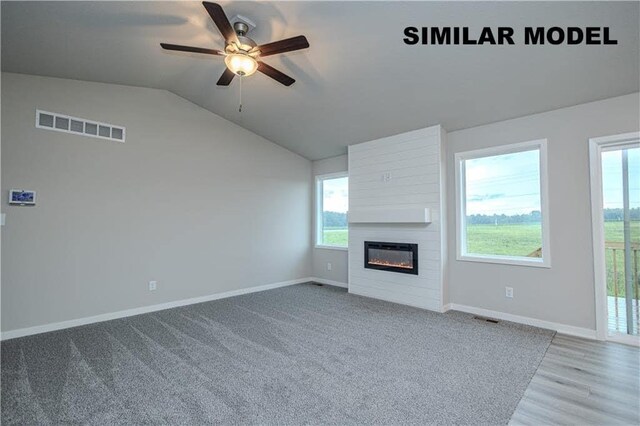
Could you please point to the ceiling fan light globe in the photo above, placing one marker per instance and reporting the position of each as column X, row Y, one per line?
column 241, row 64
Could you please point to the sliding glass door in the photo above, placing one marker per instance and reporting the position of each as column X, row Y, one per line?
column 620, row 165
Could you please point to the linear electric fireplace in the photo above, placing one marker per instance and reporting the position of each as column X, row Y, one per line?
column 393, row 257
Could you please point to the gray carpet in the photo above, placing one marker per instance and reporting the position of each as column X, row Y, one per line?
column 296, row 355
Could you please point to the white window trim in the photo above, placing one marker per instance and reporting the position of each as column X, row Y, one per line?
column 596, row 147
column 329, row 247
column 545, row 261
column 318, row 211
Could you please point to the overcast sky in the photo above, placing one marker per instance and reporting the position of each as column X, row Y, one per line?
column 612, row 178
column 503, row 184
column 335, row 193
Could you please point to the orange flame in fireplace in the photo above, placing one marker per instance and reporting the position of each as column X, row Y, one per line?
column 382, row 262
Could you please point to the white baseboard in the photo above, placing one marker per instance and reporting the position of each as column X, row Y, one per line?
column 12, row 334
column 560, row 328
column 329, row 282
column 625, row 339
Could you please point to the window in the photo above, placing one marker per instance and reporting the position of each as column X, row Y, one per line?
column 502, row 214
column 332, row 199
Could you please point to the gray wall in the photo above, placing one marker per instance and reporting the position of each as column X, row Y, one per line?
column 190, row 200
column 321, row 256
column 564, row 293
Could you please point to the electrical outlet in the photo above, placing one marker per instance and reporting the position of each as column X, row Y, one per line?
column 328, row 266
column 508, row 292
column 153, row 285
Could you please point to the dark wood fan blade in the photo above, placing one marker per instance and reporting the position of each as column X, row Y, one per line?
column 191, row 49
column 226, row 77
column 221, row 21
column 275, row 74
column 282, row 46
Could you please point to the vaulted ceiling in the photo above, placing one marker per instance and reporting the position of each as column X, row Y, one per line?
column 357, row 82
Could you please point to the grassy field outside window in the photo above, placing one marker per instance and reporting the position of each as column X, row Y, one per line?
column 332, row 198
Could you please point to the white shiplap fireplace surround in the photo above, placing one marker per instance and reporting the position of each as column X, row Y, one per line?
column 396, row 194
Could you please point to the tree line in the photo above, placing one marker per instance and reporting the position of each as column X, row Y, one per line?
column 613, row 215
column 334, row 220
column 610, row 215
column 503, row 219
column 339, row 220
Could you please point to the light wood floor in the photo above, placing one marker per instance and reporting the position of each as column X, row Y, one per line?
column 582, row 382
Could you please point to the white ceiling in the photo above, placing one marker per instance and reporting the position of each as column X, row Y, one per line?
column 357, row 82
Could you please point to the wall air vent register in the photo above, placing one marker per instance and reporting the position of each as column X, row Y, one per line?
column 79, row 126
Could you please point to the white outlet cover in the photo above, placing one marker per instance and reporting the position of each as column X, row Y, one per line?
column 509, row 292
column 328, row 266
column 153, row 285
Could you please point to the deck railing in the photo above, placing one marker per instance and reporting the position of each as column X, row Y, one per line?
column 614, row 273
column 614, row 252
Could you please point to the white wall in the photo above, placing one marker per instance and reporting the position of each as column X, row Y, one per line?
column 564, row 293
column 322, row 256
column 190, row 200
column 414, row 163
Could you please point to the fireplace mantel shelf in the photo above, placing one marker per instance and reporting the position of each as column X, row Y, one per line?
column 420, row 215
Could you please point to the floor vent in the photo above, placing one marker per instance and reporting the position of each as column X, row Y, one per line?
column 491, row 320
column 79, row 126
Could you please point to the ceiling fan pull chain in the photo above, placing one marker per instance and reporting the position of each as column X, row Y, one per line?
column 240, row 106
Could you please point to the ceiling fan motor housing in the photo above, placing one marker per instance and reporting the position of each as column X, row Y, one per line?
column 247, row 25
column 241, row 28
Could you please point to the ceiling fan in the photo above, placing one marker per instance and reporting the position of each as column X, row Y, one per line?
column 242, row 55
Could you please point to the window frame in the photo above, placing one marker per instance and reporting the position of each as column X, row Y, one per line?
column 461, row 200
column 318, row 211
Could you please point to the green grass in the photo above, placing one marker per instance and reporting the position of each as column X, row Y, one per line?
column 510, row 240
column 335, row 236
column 613, row 231
column 521, row 240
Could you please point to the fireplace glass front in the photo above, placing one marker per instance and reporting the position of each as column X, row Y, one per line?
column 392, row 257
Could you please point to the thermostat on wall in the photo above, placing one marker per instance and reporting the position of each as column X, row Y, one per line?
column 22, row 197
